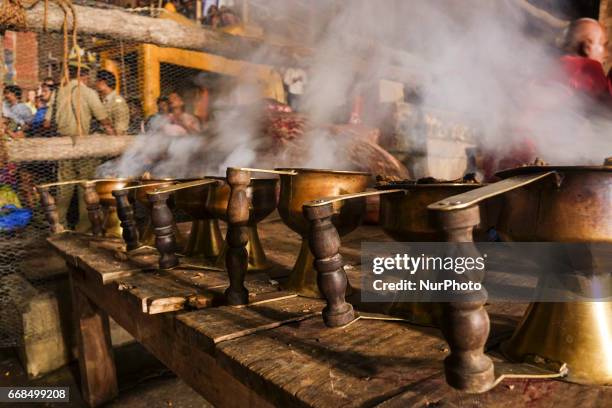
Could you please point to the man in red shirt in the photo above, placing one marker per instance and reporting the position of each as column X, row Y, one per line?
column 585, row 51
column 586, row 48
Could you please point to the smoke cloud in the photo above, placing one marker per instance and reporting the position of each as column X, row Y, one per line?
column 476, row 58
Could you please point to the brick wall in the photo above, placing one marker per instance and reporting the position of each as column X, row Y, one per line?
column 24, row 50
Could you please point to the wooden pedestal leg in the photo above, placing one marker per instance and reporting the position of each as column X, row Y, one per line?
column 236, row 259
column 92, row 200
column 163, row 227
column 465, row 324
column 325, row 243
column 96, row 360
column 126, row 216
column 48, row 204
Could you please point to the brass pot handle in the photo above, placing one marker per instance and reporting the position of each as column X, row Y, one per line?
column 181, row 186
column 473, row 197
column 334, row 199
column 139, row 186
column 250, row 169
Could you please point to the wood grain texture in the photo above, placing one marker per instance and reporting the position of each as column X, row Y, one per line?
column 96, row 360
column 157, row 334
column 251, row 356
column 210, row 327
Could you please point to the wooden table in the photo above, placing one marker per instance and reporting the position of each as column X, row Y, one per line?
column 275, row 351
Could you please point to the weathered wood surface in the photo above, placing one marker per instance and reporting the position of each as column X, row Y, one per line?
column 279, row 353
column 96, row 360
column 118, row 24
column 137, row 275
column 157, row 333
column 64, row 148
column 227, row 322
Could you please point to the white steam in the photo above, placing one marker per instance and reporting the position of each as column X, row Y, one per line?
column 473, row 57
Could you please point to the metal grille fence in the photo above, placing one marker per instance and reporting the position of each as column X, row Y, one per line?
column 30, row 156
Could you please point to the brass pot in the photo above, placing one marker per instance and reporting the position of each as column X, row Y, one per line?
column 578, row 209
column 306, row 185
column 147, row 237
column 110, row 222
column 556, row 204
column 263, row 195
column 404, row 217
column 205, row 238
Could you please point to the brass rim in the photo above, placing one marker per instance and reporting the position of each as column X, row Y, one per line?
column 328, row 171
column 393, row 186
column 541, row 169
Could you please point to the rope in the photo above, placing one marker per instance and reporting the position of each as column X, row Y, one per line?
column 13, row 14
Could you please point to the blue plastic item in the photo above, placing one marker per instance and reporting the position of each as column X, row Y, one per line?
column 13, row 218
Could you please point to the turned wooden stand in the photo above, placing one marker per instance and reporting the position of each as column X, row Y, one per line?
column 125, row 213
column 465, row 324
column 324, row 242
column 50, row 209
column 94, row 211
column 236, row 259
column 163, row 227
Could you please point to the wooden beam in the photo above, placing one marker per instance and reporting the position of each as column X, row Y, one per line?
column 62, row 148
column 119, row 24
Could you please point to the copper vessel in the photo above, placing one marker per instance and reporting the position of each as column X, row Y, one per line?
column 110, row 222
column 404, row 217
column 147, row 237
column 205, row 238
column 306, row 185
column 263, row 196
column 556, row 204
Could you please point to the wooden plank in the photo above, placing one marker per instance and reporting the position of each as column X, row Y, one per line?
column 97, row 255
column 63, row 148
column 96, row 361
column 158, row 335
column 169, row 291
column 308, row 364
column 156, row 291
column 210, row 327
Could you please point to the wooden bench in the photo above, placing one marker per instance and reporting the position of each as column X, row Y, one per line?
column 275, row 351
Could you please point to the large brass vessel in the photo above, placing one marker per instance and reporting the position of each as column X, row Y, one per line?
column 571, row 204
column 576, row 208
column 263, row 196
column 308, row 184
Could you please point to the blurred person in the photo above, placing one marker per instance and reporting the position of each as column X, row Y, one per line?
column 14, row 108
column 228, row 17
column 295, row 80
column 162, row 116
column 116, row 107
column 585, row 51
column 69, row 99
column 31, row 101
column 42, row 105
column 212, row 16
column 179, row 117
column 137, row 123
column 36, row 127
